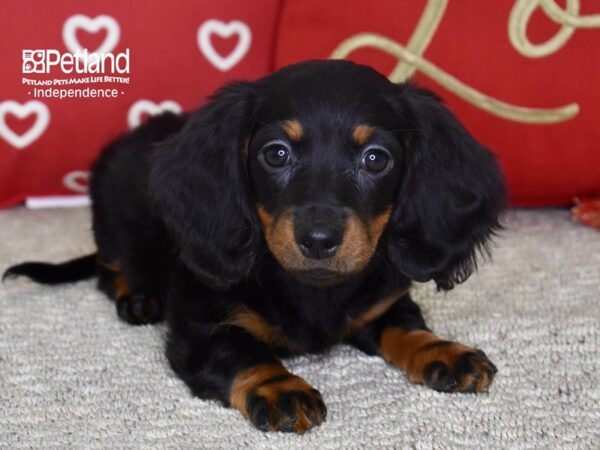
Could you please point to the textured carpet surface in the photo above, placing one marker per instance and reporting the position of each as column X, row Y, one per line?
column 72, row 375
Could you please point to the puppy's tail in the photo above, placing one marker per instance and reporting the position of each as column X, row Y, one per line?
column 46, row 273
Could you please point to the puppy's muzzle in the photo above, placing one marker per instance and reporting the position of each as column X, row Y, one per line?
column 320, row 244
column 319, row 230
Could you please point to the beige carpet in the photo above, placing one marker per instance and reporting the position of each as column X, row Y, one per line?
column 72, row 375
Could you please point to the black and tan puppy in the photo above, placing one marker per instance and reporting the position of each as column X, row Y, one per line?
column 285, row 216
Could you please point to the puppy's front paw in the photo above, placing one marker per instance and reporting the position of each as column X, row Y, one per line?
column 279, row 409
column 462, row 370
column 445, row 366
column 275, row 400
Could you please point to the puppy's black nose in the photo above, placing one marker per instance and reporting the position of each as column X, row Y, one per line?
column 320, row 243
column 319, row 231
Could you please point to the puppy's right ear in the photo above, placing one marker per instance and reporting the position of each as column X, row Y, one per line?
column 199, row 184
column 450, row 197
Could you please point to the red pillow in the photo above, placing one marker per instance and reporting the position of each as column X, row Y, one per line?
column 179, row 52
column 489, row 76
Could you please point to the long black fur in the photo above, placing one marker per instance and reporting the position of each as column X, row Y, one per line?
column 175, row 204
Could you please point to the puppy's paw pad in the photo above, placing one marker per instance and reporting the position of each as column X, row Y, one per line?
column 139, row 309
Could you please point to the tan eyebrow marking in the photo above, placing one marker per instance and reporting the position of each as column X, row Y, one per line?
column 361, row 134
column 293, row 129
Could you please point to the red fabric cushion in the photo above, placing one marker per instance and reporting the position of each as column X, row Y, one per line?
column 47, row 144
column 544, row 163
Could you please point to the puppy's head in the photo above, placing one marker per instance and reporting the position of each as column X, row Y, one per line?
column 325, row 168
column 328, row 164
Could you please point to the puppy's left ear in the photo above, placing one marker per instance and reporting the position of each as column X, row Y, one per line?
column 450, row 197
column 200, row 188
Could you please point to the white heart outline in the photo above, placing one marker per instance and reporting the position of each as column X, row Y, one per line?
column 72, row 181
column 22, row 110
column 91, row 26
column 149, row 107
column 224, row 30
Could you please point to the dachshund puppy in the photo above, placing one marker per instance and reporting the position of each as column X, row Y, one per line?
column 288, row 215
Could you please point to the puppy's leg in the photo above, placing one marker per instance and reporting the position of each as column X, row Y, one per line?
column 134, row 305
column 229, row 364
column 401, row 338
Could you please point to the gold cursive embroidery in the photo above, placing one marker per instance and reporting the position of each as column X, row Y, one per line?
column 421, row 37
column 410, row 57
column 568, row 19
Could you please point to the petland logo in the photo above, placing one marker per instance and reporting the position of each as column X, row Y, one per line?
column 104, row 73
column 80, row 62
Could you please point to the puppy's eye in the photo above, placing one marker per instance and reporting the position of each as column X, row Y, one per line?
column 376, row 159
column 276, row 154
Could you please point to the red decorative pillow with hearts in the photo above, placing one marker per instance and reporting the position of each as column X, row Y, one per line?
column 522, row 75
column 163, row 56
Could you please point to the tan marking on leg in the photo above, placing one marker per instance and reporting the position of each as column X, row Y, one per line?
column 413, row 351
column 272, row 390
column 270, row 381
column 400, row 347
column 362, row 134
column 293, row 129
column 247, row 381
column 122, row 286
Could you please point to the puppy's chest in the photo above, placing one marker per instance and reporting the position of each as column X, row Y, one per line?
column 293, row 320
column 292, row 328
column 312, row 331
